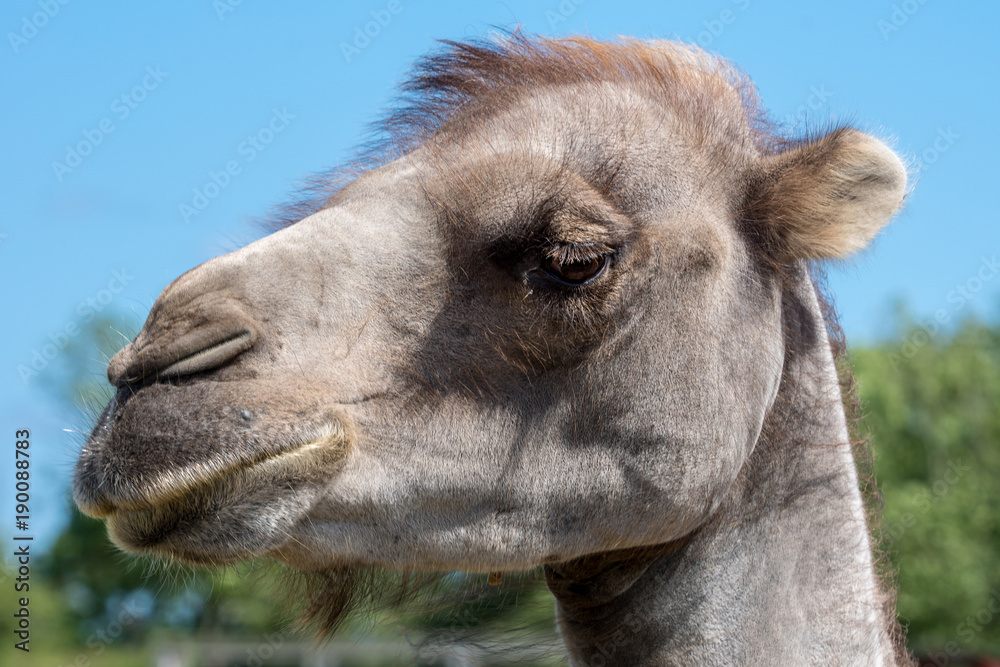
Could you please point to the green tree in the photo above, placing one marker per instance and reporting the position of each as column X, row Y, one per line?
column 934, row 412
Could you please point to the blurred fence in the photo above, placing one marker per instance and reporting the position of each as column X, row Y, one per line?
column 275, row 651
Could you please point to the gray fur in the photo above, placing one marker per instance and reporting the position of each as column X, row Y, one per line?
column 410, row 388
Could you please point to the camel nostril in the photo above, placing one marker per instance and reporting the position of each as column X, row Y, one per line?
column 210, row 357
column 194, row 352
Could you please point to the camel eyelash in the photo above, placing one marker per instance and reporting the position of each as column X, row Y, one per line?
column 572, row 253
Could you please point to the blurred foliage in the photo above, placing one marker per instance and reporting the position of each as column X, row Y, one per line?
column 933, row 410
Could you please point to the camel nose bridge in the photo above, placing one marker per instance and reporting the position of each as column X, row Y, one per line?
column 196, row 325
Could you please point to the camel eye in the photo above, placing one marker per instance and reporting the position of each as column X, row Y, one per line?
column 573, row 271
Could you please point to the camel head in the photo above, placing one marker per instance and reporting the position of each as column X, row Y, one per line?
column 550, row 325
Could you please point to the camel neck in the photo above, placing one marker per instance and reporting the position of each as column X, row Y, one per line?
column 784, row 588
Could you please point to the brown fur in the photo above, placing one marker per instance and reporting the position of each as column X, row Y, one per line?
column 453, row 89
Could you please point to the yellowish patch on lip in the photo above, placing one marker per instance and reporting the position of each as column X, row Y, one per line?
column 331, row 445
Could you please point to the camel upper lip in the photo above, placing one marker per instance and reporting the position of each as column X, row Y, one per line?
column 179, row 483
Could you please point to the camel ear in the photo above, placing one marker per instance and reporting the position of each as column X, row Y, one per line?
column 829, row 198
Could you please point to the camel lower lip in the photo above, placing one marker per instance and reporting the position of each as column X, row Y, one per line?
column 233, row 513
column 174, row 487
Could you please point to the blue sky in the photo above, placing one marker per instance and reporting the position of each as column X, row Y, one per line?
column 163, row 95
